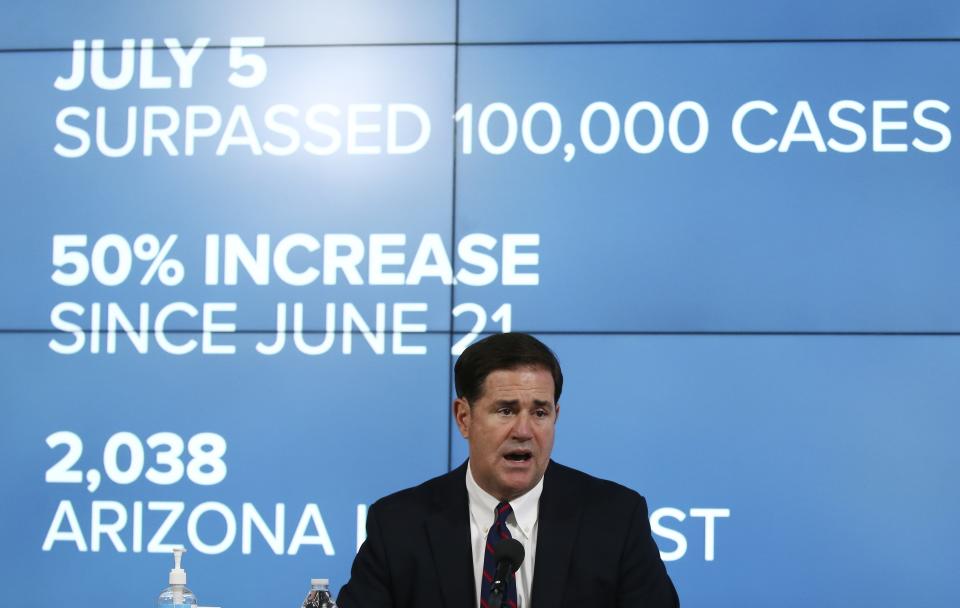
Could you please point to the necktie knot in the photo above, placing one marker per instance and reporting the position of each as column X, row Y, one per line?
column 502, row 512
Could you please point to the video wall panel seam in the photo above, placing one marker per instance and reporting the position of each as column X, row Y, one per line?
column 525, row 43
column 453, row 220
column 539, row 332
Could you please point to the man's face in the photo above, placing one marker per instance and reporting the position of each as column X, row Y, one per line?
column 510, row 430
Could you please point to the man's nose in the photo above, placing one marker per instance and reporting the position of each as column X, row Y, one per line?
column 522, row 428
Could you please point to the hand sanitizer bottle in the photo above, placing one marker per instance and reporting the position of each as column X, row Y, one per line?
column 177, row 595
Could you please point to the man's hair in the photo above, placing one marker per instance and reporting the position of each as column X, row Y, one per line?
column 503, row 352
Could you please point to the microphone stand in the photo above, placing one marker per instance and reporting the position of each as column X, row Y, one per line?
column 498, row 588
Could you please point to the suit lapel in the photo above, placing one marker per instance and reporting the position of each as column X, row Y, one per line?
column 448, row 531
column 559, row 522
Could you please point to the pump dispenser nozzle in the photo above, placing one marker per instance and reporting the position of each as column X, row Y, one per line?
column 178, row 576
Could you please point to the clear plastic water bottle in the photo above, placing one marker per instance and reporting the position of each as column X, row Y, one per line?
column 177, row 595
column 319, row 596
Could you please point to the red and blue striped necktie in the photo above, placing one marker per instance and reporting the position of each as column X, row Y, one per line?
column 498, row 531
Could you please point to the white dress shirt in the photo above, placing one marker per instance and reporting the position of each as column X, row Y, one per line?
column 522, row 524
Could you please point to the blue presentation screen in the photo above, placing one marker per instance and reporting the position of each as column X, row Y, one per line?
column 718, row 187
column 244, row 243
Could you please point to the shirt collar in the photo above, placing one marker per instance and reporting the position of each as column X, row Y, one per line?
column 525, row 507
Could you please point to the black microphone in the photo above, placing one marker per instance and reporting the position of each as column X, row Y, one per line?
column 508, row 555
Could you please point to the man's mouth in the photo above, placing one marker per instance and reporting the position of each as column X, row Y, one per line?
column 518, row 455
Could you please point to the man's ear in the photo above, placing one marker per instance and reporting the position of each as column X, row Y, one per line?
column 461, row 413
column 556, row 413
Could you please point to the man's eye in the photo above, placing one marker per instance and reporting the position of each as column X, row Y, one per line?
column 505, row 411
column 541, row 413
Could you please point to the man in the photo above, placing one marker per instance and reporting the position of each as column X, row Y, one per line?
column 587, row 541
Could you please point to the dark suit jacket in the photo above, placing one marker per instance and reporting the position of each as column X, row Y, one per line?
column 594, row 548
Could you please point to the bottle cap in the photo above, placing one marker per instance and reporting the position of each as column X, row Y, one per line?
column 178, row 576
column 320, row 581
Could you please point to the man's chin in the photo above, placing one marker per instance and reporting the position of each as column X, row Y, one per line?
column 518, row 483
